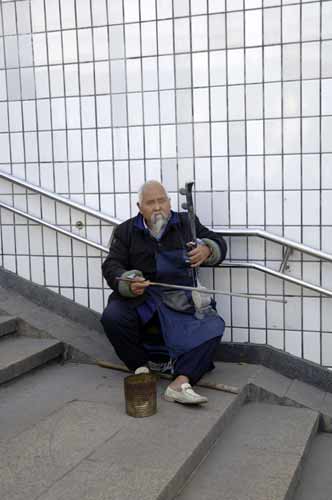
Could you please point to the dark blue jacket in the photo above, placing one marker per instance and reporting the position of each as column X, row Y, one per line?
column 133, row 247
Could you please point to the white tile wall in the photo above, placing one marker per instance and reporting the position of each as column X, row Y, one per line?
column 96, row 97
column 275, row 338
column 326, row 348
column 257, row 336
column 293, row 342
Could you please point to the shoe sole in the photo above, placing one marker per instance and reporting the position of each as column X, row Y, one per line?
column 193, row 403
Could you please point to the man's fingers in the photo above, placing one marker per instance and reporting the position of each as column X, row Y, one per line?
column 197, row 258
column 197, row 252
column 194, row 252
column 194, row 261
column 198, row 255
column 196, row 264
column 139, row 281
column 143, row 283
column 138, row 285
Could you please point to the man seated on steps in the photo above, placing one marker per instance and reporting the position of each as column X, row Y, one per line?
column 155, row 246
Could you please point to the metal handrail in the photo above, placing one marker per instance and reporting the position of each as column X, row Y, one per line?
column 278, row 274
column 254, row 266
column 60, row 199
column 278, row 239
column 115, row 222
column 58, row 229
column 290, row 244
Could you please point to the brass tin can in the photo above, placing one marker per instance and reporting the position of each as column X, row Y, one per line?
column 141, row 395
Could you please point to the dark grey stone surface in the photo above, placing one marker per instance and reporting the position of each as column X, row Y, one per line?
column 36, row 320
column 234, row 374
column 265, row 385
column 306, row 394
column 36, row 458
column 269, row 445
column 283, row 363
column 236, row 352
column 82, row 436
column 19, row 355
column 316, row 478
column 27, row 400
column 87, row 345
column 58, row 412
column 271, row 381
column 50, row 300
column 258, row 458
column 8, row 325
column 326, row 413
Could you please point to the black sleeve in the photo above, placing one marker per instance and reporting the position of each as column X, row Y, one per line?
column 204, row 232
column 116, row 262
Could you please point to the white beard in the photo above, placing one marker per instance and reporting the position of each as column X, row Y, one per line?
column 157, row 224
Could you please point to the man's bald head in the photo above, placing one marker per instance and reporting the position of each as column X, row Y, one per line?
column 148, row 186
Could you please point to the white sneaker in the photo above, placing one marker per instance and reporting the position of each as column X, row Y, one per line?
column 186, row 395
column 141, row 369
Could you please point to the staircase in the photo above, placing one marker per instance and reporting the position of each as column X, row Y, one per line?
column 64, row 432
column 20, row 354
column 258, row 457
column 316, row 478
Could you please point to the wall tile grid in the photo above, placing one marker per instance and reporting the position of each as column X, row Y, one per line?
column 98, row 95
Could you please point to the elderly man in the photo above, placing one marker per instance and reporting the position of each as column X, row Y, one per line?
column 156, row 245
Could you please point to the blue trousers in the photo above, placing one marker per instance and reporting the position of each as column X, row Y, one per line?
column 127, row 334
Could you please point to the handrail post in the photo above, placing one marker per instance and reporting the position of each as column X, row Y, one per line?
column 287, row 254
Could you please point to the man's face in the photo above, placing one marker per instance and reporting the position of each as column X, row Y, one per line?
column 154, row 202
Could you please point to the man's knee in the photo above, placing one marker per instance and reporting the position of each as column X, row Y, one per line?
column 116, row 317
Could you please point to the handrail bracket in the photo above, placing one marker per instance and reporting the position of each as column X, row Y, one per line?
column 284, row 264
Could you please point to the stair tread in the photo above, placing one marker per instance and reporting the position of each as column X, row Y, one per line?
column 76, row 431
column 5, row 317
column 7, row 325
column 91, row 342
column 14, row 349
column 19, row 355
column 257, row 458
column 87, row 440
column 316, row 478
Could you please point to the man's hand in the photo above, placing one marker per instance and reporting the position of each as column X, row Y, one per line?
column 199, row 255
column 139, row 285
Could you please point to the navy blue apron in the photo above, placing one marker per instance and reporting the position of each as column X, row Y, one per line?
column 182, row 331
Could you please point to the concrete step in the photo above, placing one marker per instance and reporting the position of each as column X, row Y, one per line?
column 92, row 343
column 259, row 457
column 7, row 325
column 19, row 355
column 266, row 385
column 316, row 479
column 77, row 442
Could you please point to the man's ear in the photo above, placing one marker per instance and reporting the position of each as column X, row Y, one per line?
column 139, row 208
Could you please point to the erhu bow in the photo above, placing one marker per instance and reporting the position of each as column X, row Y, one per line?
column 205, row 290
